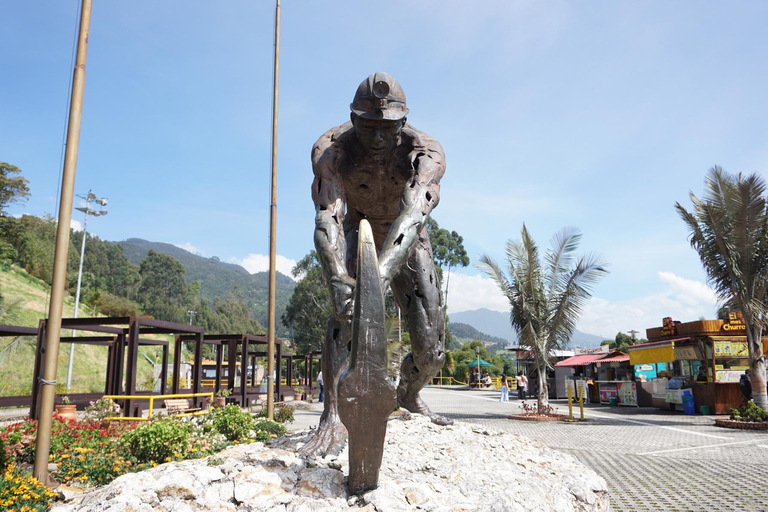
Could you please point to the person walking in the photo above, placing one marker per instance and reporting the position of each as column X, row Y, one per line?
column 522, row 385
column 745, row 385
column 504, row 389
column 320, row 383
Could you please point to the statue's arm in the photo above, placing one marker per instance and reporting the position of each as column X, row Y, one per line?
column 421, row 195
column 330, row 242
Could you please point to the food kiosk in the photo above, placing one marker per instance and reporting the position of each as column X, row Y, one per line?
column 703, row 359
column 607, row 374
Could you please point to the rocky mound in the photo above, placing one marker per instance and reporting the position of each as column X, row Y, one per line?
column 426, row 467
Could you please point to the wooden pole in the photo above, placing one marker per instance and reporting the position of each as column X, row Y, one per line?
column 48, row 382
column 273, row 228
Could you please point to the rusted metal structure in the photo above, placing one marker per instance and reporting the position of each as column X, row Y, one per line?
column 123, row 337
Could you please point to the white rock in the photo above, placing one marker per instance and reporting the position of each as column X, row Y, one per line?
column 437, row 469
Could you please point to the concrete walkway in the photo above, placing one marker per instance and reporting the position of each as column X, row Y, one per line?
column 652, row 460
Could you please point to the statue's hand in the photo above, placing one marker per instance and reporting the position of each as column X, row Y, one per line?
column 343, row 288
column 384, row 274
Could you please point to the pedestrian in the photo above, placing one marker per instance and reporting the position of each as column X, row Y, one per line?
column 745, row 385
column 504, row 389
column 320, row 383
column 522, row 385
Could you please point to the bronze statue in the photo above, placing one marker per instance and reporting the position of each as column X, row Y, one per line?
column 378, row 168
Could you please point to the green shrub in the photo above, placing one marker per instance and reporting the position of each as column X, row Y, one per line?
column 283, row 413
column 158, row 440
column 102, row 408
column 267, row 429
column 89, row 466
column 230, row 421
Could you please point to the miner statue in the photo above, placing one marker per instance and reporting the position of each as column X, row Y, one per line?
column 378, row 168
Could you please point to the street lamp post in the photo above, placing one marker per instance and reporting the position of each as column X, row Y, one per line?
column 102, row 201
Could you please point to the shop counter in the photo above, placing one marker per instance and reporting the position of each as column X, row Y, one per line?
column 625, row 391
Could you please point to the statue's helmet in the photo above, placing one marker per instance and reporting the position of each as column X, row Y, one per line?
column 379, row 97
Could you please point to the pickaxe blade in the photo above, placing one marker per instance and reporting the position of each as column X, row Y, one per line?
column 366, row 395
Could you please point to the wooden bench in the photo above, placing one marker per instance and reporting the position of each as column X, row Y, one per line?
column 179, row 406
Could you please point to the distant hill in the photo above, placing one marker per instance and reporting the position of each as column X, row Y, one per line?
column 466, row 331
column 218, row 278
column 496, row 323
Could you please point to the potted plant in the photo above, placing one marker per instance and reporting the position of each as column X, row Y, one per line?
column 298, row 391
column 65, row 409
column 221, row 397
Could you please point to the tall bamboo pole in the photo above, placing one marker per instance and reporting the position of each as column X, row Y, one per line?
column 273, row 228
column 48, row 382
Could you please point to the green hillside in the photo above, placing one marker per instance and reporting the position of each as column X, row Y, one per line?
column 218, row 279
column 26, row 300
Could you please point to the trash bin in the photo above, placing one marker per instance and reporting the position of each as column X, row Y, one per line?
column 688, row 407
column 614, row 401
column 705, row 409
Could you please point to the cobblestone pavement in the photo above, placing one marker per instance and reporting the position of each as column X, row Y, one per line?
column 652, row 460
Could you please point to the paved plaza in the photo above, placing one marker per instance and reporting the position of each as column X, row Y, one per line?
column 652, row 460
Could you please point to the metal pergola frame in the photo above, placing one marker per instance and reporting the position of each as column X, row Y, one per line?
column 120, row 334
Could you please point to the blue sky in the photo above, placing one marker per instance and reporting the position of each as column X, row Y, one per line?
column 598, row 115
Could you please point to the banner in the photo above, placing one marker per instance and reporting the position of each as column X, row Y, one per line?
column 731, row 349
column 608, row 391
column 628, row 393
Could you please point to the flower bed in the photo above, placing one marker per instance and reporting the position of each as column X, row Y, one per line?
column 90, row 453
column 742, row 425
column 538, row 417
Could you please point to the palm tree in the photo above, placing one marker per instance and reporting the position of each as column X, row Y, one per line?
column 546, row 300
column 729, row 230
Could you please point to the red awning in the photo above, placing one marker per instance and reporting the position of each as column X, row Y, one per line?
column 617, row 358
column 581, row 359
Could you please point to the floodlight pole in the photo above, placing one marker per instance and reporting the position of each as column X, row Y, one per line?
column 86, row 211
column 273, row 228
column 48, row 381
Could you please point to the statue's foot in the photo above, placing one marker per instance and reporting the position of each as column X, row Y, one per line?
column 329, row 438
column 416, row 405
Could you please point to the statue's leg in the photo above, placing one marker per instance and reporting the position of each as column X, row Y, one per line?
column 331, row 434
column 417, row 291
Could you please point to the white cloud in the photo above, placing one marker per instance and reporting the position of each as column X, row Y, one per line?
column 682, row 299
column 474, row 292
column 76, row 225
column 259, row 263
column 191, row 248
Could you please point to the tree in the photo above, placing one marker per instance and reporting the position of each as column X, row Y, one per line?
column 309, row 308
column 163, row 287
column 621, row 342
column 448, row 252
column 729, row 230
column 545, row 299
column 13, row 186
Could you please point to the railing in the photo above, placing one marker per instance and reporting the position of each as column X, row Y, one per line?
column 152, row 399
column 209, row 383
column 495, row 382
column 448, row 381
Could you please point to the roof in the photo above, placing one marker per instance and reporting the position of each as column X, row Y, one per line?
column 615, row 357
column 657, row 343
column 580, row 360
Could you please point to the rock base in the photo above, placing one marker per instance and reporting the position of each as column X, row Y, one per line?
column 461, row 467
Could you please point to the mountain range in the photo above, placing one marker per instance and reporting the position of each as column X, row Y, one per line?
column 218, row 279
column 496, row 323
